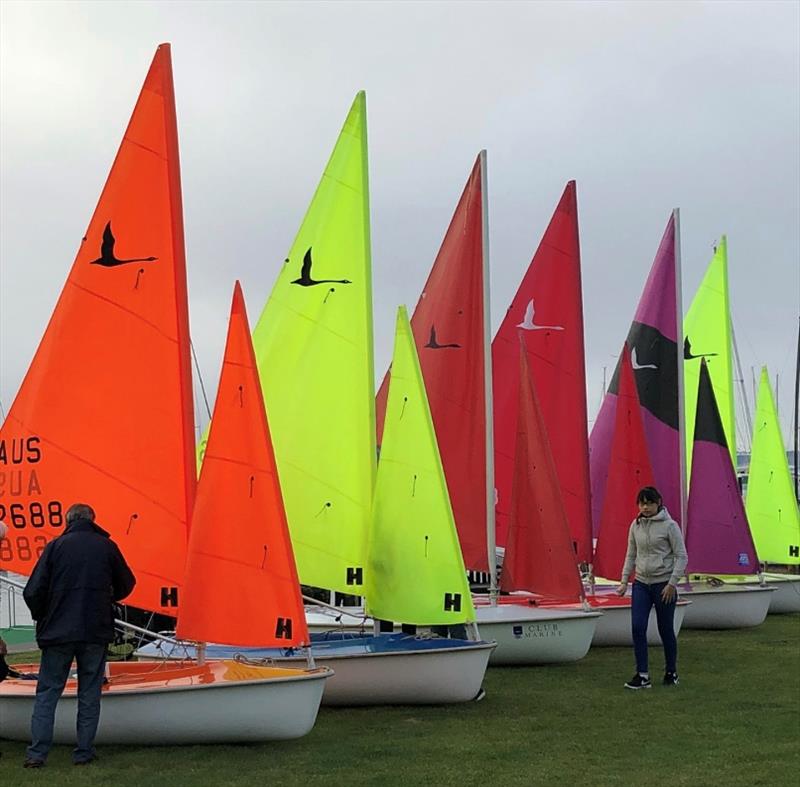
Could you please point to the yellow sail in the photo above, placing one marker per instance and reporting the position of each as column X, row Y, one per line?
column 707, row 334
column 415, row 570
column 313, row 345
column 770, row 503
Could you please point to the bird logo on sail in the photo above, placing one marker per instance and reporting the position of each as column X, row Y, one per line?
column 107, row 258
column 528, row 324
column 688, row 354
column 635, row 362
column 305, row 279
column 434, row 345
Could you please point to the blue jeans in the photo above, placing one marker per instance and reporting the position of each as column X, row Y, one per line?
column 644, row 598
column 53, row 674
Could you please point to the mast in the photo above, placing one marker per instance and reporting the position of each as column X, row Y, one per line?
column 796, row 413
column 748, row 421
column 487, row 383
column 676, row 213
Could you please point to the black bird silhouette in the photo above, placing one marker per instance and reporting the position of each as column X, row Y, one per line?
column 687, row 351
column 434, row 345
column 107, row 258
column 305, row 279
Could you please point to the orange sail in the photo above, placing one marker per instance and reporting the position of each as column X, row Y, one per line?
column 104, row 415
column 241, row 585
column 539, row 554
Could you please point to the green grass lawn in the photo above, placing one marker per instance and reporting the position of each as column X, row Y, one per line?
column 734, row 720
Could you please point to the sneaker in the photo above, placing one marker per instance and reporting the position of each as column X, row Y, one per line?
column 638, row 682
column 671, row 679
column 85, row 761
column 30, row 763
column 480, row 695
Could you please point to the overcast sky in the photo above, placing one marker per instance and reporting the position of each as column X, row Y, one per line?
column 648, row 105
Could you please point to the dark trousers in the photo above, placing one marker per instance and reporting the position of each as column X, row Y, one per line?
column 53, row 673
column 644, row 598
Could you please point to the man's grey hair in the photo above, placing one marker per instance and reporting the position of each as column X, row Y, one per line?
column 80, row 511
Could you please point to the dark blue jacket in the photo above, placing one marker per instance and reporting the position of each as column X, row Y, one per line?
column 74, row 584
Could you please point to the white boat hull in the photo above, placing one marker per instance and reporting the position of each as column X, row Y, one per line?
column 529, row 635
column 786, row 598
column 435, row 677
column 727, row 607
column 226, row 712
column 614, row 628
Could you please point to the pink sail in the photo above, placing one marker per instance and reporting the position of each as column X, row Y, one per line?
column 718, row 537
column 629, row 470
column 653, row 344
column 449, row 334
column 539, row 555
column 548, row 308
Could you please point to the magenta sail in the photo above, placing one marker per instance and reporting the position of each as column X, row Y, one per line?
column 718, row 537
column 653, row 344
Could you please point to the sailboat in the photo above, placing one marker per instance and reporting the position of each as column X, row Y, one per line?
column 629, row 470
column 314, row 348
column 458, row 378
column 448, row 325
column 718, row 537
column 76, row 435
column 539, row 557
column 414, row 571
column 708, row 337
column 548, row 310
column 136, row 322
column 652, row 352
column 653, row 346
column 771, row 507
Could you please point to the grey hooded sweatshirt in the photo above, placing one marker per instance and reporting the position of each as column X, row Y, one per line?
column 655, row 550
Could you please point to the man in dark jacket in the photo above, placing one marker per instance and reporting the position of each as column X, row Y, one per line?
column 70, row 595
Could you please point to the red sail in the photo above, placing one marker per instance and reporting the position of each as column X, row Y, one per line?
column 629, row 469
column 539, row 555
column 548, row 307
column 241, row 585
column 449, row 334
column 105, row 414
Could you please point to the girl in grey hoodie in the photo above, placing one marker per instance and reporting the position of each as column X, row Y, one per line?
column 658, row 555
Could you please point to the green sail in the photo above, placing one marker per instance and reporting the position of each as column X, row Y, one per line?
column 313, row 345
column 707, row 333
column 415, row 571
column 770, row 504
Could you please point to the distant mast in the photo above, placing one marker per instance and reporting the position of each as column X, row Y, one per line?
column 796, row 410
column 676, row 213
column 487, row 382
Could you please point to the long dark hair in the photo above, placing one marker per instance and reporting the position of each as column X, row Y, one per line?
column 649, row 494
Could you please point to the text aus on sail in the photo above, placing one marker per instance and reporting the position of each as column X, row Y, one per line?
column 23, row 507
